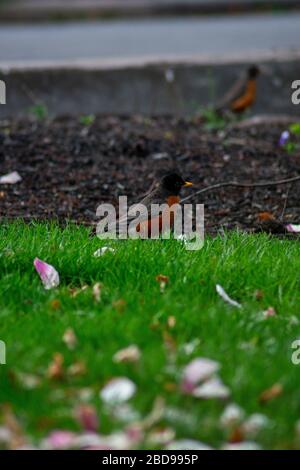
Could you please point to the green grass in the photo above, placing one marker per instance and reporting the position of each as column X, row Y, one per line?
column 254, row 353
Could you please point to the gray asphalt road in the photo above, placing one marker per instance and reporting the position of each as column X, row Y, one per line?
column 152, row 37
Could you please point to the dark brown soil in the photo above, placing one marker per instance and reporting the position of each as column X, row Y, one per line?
column 68, row 169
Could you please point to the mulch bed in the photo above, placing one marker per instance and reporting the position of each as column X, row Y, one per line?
column 68, row 169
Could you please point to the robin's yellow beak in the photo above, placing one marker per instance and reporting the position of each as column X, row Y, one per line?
column 187, row 184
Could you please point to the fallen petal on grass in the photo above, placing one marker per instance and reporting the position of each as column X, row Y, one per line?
column 226, row 297
column 58, row 440
column 213, row 388
column 129, row 354
column 187, row 444
column 163, row 281
column 198, row 370
column 269, row 312
column 254, row 424
column 97, row 291
column 69, row 338
column 77, row 369
column 118, row 390
column 245, row 445
column 102, row 251
column 55, row 368
column 231, row 416
column 47, row 273
column 10, row 178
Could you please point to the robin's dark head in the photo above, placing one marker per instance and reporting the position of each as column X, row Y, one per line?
column 253, row 71
column 173, row 183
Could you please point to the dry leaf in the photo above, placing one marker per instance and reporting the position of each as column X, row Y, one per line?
column 55, row 368
column 69, row 338
column 120, row 305
column 258, row 294
column 272, row 392
column 129, row 354
column 55, row 304
column 11, row 423
column 75, row 291
column 97, row 291
column 163, row 281
column 171, row 321
column 169, row 342
column 77, row 369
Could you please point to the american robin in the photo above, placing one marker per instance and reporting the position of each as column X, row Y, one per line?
column 242, row 94
column 165, row 191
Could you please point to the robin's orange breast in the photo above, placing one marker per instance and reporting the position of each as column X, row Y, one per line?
column 155, row 225
column 245, row 100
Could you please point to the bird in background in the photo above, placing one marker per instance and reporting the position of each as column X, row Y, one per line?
column 242, row 94
column 164, row 191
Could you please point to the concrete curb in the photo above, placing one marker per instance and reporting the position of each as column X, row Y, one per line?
column 154, row 86
column 36, row 10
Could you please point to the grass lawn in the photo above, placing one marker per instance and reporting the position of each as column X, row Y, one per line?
column 254, row 352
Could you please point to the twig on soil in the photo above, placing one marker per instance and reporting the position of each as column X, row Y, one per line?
column 285, row 202
column 241, row 185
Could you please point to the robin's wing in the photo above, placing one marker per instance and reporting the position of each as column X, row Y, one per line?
column 237, row 89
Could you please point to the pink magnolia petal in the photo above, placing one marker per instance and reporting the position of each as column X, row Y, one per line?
column 47, row 273
column 10, row 178
column 213, row 388
column 187, row 444
column 293, row 228
column 60, row 439
column 118, row 390
column 196, row 371
column 245, row 445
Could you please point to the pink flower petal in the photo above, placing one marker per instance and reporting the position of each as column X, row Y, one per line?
column 60, row 440
column 118, row 390
column 293, row 228
column 196, row 371
column 10, row 178
column 47, row 273
column 187, row 444
column 213, row 388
